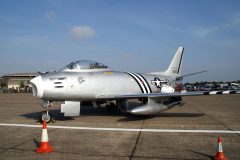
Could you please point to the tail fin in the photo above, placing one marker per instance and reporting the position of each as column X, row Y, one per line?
column 175, row 68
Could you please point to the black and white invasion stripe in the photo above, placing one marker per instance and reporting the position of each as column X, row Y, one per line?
column 141, row 81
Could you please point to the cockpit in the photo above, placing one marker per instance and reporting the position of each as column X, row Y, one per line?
column 85, row 66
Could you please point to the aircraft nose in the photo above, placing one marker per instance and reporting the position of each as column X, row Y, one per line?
column 37, row 86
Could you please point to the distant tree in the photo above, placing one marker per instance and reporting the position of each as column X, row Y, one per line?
column 22, row 85
column 214, row 83
column 3, row 84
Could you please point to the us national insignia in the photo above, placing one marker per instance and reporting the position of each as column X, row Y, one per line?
column 157, row 82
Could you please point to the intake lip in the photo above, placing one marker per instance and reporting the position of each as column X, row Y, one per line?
column 34, row 89
column 37, row 86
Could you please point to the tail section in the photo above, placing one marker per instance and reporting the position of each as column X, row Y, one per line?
column 175, row 67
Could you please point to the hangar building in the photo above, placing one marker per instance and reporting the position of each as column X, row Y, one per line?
column 17, row 81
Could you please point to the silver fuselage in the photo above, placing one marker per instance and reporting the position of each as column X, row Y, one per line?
column 89, row 86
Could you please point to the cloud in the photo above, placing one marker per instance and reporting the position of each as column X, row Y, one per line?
column 51, row 15
column 235, row 21
column 128, row 55
column 204, row 31
column 79, row 33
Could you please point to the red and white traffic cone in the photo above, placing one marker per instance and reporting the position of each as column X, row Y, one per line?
column 44, row 146
column 220, row 154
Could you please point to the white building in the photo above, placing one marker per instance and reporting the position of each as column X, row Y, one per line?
column 17, row 81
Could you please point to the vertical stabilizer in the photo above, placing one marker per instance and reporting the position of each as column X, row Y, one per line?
column 175, row 67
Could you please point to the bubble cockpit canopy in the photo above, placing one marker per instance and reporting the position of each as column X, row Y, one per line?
column 85, row 66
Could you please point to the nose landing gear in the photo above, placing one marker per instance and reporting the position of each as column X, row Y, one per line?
column 45, row 115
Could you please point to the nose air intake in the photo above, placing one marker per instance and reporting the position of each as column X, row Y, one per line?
column 34, row 89
column 37, row 86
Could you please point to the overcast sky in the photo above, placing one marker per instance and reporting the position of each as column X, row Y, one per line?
column 127, row 35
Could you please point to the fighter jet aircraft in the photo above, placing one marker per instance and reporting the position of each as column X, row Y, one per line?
column 90, row 81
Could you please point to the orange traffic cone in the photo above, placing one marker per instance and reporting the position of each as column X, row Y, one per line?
column 220, row 155
column 44, row 146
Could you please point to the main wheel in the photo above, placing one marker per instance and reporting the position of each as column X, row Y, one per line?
column 111, row 108
column 45, row 117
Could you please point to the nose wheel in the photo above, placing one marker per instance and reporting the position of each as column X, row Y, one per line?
column 45, row 115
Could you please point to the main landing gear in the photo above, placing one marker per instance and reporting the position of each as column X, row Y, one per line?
column 121, row 106
column 45, row 115
column 111, row 107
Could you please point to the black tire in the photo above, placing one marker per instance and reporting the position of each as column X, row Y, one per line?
column 43, row 116
column 111, row 108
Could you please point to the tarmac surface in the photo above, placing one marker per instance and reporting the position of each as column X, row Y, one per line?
column 188, row 132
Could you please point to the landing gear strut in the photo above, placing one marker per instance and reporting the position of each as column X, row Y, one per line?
column 45, row 115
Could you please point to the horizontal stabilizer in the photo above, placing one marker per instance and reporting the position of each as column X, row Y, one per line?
column 191, row 74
